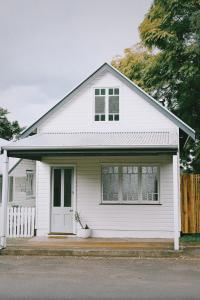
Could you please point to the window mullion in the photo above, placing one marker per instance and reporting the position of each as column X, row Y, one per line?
column 140, row 183
column 106, row 105
column 62, row 187
column 120, row 185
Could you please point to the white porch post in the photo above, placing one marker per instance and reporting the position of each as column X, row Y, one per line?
column 4, row 200
column 176, row 200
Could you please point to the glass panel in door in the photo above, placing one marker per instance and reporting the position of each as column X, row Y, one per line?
column 67, row 187
column 57, row 188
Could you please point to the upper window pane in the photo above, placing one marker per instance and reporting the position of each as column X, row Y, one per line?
column 110, row 91
column 116, row 91
column 99, row 92
column 113, row 104
column 100, row 105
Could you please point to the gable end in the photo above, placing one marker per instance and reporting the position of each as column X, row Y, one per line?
column 107, row 67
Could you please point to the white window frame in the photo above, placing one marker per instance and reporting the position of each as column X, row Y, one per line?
column 106, row 104
column 131, row 202
column 33, row 187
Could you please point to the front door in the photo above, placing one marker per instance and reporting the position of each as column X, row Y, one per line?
column 62, row 208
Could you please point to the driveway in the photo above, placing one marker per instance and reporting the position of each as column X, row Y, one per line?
column 98, row 278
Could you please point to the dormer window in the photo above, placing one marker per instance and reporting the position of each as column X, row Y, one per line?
column 107, row 104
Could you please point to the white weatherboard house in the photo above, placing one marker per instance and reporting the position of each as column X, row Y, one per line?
column 109, row 151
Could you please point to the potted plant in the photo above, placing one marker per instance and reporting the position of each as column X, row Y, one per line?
column 83, row 231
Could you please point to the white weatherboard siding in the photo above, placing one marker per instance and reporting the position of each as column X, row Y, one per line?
column 43, row 182
column 109, row 220
column 78, row 114
column 19, row 176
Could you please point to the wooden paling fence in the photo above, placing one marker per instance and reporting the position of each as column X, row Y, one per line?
column 21, row 221
column 190, row 203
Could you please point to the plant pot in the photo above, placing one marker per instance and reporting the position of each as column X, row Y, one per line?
column 84, row 233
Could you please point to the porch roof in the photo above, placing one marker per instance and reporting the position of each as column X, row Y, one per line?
column 93, row 143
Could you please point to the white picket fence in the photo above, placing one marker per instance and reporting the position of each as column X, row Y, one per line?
column 20, row 222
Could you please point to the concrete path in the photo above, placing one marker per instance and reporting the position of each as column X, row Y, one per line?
column 98, row 278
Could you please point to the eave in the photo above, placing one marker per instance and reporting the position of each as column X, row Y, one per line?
column 38, row 154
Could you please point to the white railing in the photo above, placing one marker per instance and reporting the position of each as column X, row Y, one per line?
column 20, row 222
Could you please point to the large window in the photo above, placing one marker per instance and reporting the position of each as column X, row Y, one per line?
column 130, row 184
column 106, row 104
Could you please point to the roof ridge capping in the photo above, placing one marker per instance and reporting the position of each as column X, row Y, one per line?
column 108, row 132
column 107, row 66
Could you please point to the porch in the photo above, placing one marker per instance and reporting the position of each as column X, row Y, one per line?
column 70, row 180
column 74, row 246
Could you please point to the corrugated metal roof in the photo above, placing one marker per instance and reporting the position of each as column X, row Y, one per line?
column 83, row 140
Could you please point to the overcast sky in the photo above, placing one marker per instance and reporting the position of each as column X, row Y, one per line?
column 47, row 47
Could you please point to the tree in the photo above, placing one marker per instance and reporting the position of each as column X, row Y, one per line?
column 8, row 129
column 170, row 32
column 134, row 63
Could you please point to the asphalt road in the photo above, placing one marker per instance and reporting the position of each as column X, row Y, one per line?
column 98, row 278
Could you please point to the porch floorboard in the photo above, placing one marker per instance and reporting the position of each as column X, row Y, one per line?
column 68, row 242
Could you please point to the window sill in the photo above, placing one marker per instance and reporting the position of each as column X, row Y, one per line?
column 130, row 204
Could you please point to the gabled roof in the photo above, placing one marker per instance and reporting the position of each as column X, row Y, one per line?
column 107, row 67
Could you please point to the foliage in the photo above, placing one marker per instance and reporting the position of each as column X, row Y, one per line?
column 169, row 68
column 134, row 63
column 8, row 130
column 195, row 237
